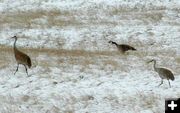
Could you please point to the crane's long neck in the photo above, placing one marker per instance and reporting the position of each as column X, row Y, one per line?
column 155, row 68
column 15, row 45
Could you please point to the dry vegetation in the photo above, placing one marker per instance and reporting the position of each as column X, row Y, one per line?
column 31, row 19
column 59, row 18
column 102, row 59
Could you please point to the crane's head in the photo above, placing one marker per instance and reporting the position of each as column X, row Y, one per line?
column 110, row 41
column 15, row 37
column 153, row 60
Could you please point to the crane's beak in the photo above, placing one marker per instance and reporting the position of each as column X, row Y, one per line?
column 13, row 37
column 149, row 61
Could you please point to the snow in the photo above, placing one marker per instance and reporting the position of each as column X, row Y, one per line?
column 75, row 69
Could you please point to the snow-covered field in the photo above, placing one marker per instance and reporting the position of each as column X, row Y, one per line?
column 75, row 69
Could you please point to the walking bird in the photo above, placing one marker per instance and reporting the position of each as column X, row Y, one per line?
column 21, row 57
column 123, row 47
column 163, row 73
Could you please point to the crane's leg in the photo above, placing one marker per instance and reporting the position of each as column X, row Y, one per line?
column 26, row 69
column 16, row 69
column 169, row 84
column 161, row 82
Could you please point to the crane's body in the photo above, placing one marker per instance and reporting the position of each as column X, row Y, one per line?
column 21, row 57
column 123, row 47
column 164, row 73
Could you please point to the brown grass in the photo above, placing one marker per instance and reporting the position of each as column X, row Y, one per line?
column 67, row 58
column 61, row 52
column 56, row 17
column 24, row 19
column 72, row 57
column 177, row 59
column 111, row 62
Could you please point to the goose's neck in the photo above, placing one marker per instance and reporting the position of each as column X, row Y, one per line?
column 114, row 43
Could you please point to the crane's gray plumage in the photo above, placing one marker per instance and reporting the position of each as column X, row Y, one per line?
column 163, row 73
column 123, row 47
column 21, row 57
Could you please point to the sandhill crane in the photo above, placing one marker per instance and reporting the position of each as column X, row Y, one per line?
column 163, row 73
column 123, row 47
column 21, row 57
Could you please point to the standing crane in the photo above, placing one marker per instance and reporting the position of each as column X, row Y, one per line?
column 21, row 57
column 163, row 73
column 123, row 47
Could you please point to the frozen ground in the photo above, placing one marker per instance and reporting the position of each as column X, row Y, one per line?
column 74, row 69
